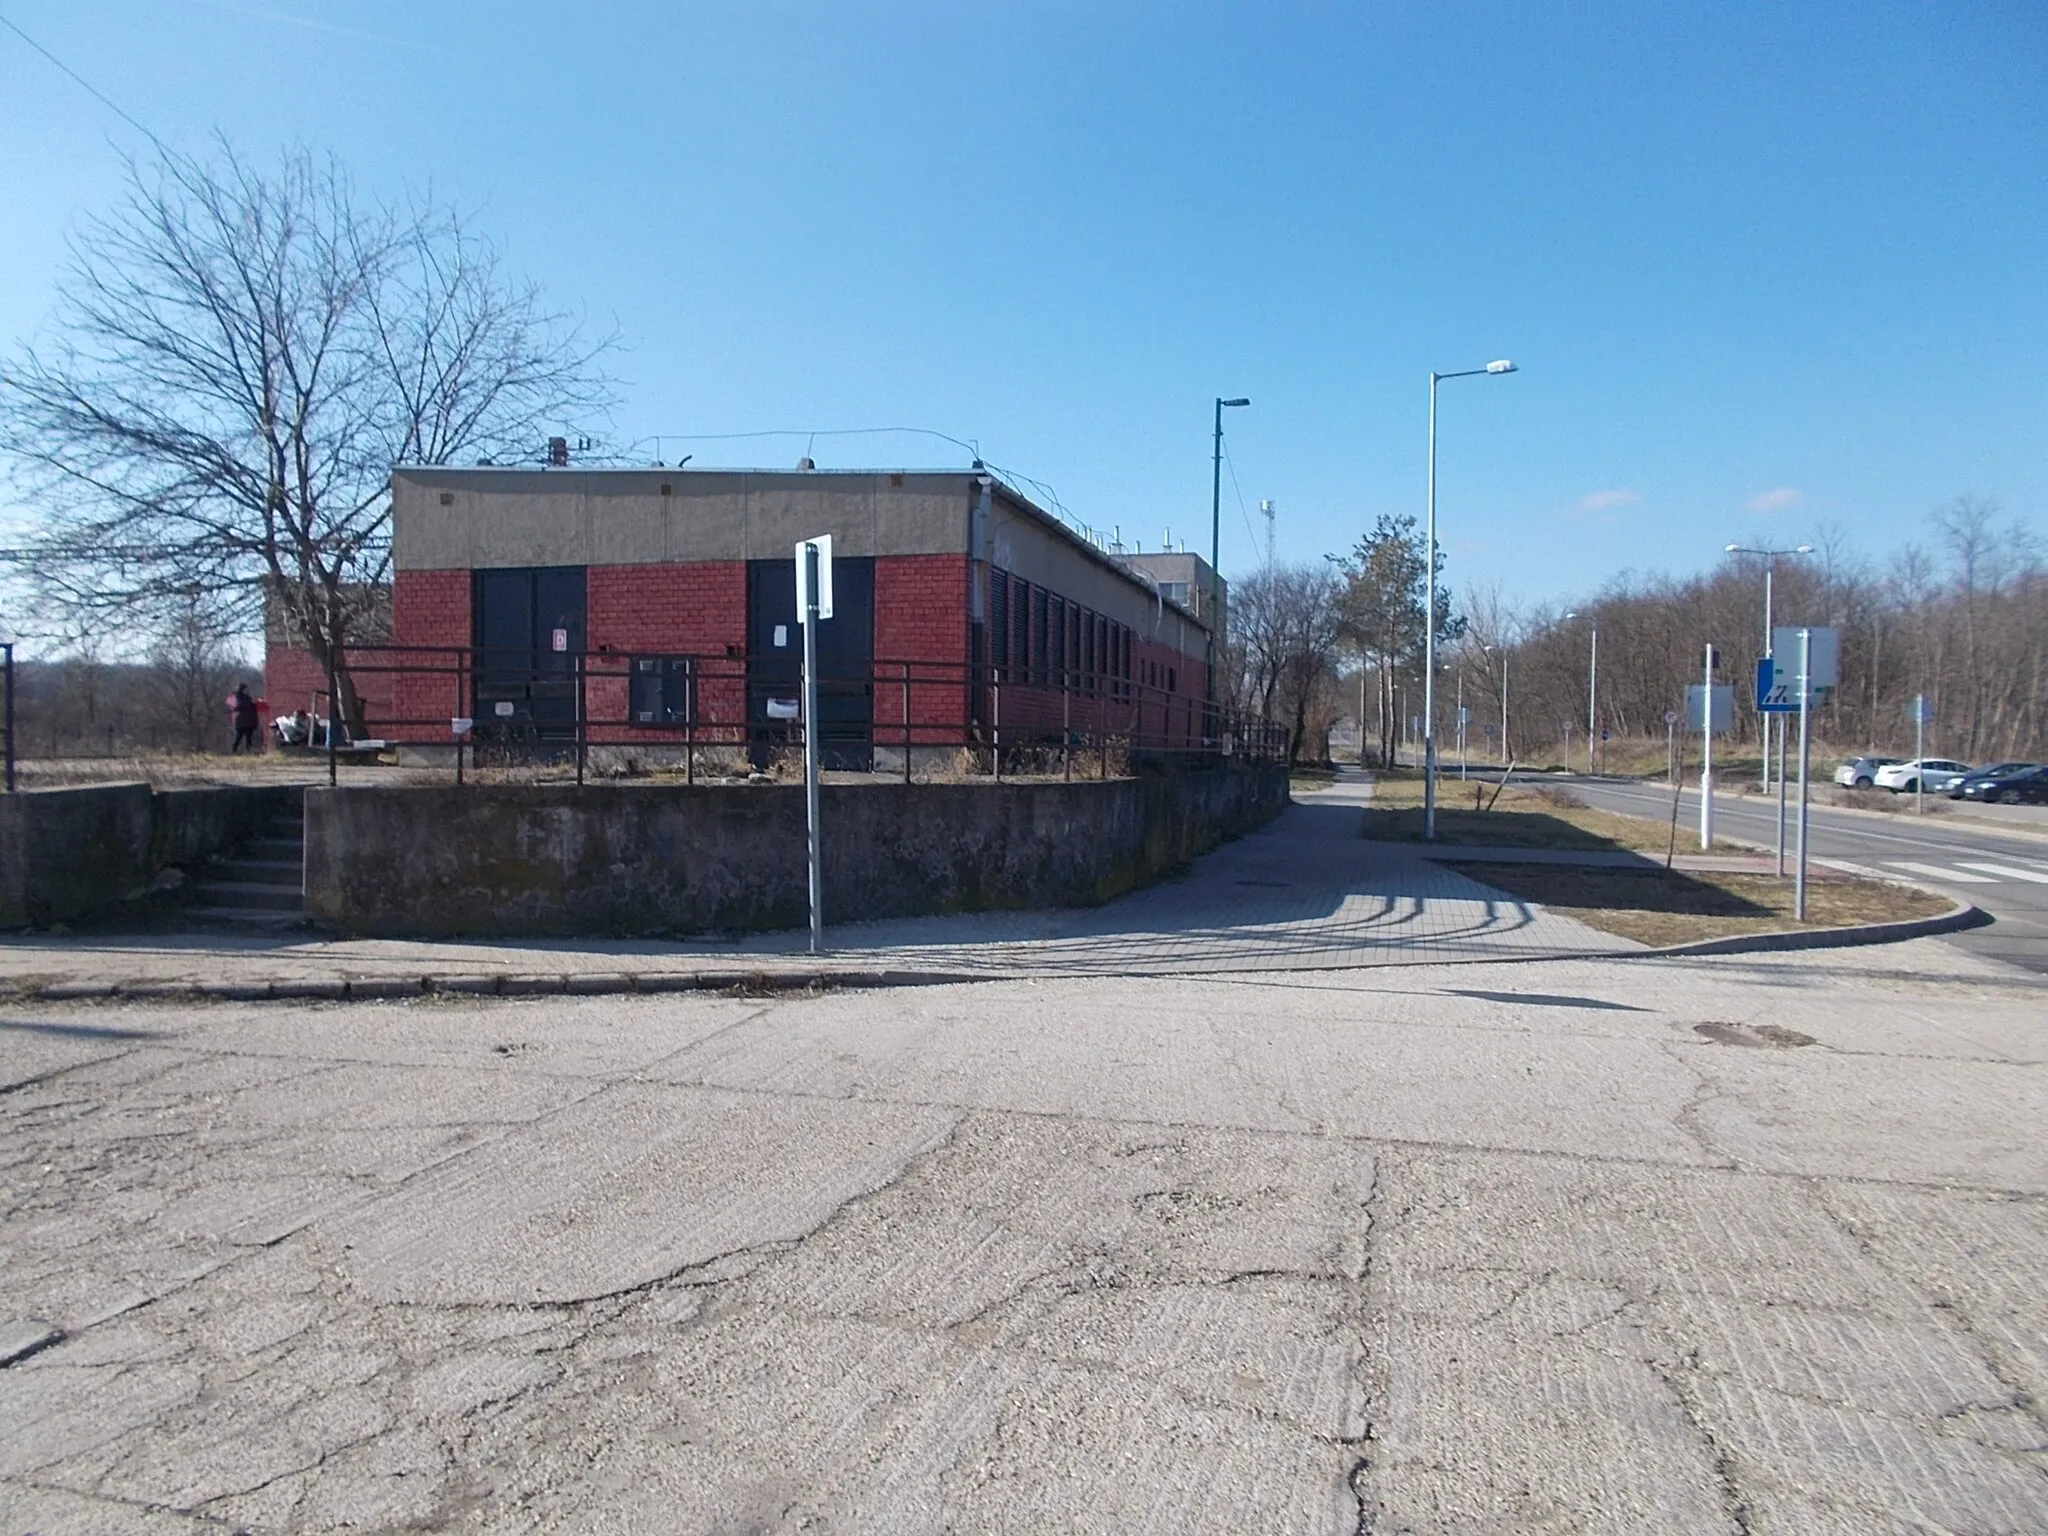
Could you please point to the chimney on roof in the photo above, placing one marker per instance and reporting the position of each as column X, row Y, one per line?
column 558, row 452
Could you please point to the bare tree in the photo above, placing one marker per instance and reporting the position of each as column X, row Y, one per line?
column 194, row 657
column 241, row 358
column 1288, row 629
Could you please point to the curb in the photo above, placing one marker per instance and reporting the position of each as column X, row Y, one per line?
column 405, row 988
column 1963, row 916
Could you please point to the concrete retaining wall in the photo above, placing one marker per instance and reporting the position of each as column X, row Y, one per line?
column 69, row 853
column 670, row 858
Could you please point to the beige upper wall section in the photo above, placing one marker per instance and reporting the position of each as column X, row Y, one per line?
column 523, row 517
column 620, row 517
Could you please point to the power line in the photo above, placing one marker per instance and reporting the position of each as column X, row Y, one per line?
column 1238, row 491
column 90, row 89
column 804, row 432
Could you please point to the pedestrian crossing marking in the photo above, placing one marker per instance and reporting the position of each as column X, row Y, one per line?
column 1936, row 872
column 2007, row 871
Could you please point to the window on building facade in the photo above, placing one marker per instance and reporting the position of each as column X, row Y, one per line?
column 662, row 690
column 999, row 618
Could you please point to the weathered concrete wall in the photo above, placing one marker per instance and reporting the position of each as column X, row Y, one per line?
column 643, row 859
column 68, row 853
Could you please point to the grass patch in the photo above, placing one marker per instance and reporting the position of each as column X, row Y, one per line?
column 1656, row 907
column 1525, row 816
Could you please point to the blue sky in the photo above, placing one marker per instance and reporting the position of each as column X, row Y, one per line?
column 1764, row 267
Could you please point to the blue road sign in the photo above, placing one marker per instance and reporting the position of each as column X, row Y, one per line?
column 1777, row 693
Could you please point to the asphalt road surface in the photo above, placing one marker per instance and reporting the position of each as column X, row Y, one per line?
column 2005, row 874
column 1609, row 1247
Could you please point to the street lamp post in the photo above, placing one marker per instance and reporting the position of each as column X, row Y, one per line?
column 1216, row 489
column 1771, row 558
column 1501, row 365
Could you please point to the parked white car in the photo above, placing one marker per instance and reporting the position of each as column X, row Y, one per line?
column 1935, row 775
column 1861, row 772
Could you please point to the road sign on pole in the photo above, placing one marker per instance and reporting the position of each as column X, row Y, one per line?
column 1722, row 715
column 1808, row 690
column 823, row 545
column 814, row 603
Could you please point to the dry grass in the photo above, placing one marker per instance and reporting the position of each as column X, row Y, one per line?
column 1656, row 907
column 1525, row 816
column 1306, row 779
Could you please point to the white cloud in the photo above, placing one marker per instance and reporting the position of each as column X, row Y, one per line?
column 1608, row 500
column 1782, row 499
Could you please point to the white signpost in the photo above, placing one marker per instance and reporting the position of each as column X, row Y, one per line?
column 1919, row 711
column 1709, row 707
column 813, row 603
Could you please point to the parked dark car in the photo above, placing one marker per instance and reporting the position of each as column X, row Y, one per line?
column 2020, row 784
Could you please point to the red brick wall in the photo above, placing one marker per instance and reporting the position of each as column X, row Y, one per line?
column 428, row 608
column 921, row 616
column 674, row 610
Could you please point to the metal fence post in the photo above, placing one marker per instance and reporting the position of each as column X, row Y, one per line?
column 9, row 648
column 582, row 718
column 333, row 712
column 1066, row 730
column 461, row 695
column 906, row 722
column 995, row 734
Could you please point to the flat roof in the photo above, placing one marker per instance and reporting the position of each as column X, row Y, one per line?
column 429, row 474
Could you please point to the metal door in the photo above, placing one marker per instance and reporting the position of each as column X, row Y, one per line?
column 846, row 662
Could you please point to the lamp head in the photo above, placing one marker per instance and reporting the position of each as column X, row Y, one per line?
column 1733, row 549
column 1500, row 365
column 1239, row 401
column 1573, row 614
column 1804, row 549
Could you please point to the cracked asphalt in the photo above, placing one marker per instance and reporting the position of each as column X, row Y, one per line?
column 1456, row 1248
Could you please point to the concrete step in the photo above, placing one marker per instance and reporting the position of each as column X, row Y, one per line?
column 253, row 893
column 269, row 847
column 250, row 917
column 265, row 871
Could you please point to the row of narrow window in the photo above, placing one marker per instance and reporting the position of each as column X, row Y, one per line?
column 1040, row 637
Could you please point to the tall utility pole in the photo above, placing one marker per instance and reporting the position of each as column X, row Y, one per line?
column 1268, row 511
column 1503, row 649
column 1592, row 687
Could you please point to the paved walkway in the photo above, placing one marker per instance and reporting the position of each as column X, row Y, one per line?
column 1305, row 893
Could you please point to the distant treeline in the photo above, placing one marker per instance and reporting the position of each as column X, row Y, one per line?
column 82, row 707
column 1965, row 624
column 1962, row 620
